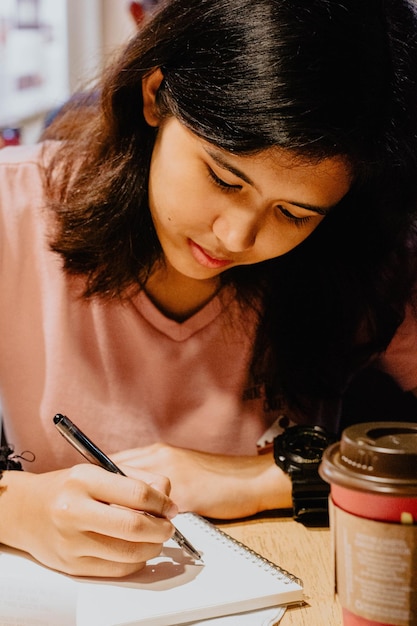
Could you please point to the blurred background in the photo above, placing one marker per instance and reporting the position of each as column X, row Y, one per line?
column 49, row 49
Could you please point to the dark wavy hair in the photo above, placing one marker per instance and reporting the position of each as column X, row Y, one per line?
column 319, row 78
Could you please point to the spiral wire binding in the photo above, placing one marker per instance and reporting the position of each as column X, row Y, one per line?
column 267, row 565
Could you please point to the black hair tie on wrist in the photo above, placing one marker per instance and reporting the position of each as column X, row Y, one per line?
column 9, row 460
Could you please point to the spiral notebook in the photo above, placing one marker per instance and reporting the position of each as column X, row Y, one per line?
column 171, row 590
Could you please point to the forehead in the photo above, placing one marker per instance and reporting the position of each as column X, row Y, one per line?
column 283, row 158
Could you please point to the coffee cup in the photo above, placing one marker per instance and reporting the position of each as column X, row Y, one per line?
column 372, row 474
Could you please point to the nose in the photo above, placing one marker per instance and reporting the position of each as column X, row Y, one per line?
column 237, row 232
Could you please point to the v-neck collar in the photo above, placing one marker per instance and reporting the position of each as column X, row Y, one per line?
column 180, row 331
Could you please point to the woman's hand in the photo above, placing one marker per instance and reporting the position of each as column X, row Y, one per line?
column 64, row 520
column 218, row 486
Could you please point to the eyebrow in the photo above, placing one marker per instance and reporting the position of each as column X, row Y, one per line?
column 222, row 162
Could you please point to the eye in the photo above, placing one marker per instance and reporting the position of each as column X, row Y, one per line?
column 298, row 221
column 221, row 183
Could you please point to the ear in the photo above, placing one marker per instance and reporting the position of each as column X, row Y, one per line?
column 150, row 85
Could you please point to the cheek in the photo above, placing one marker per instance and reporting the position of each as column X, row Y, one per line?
column 161, row 199
column 171, row 200
column 169, row 214
column 283, row 237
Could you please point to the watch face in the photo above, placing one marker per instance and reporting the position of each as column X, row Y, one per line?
column 301, row 446
column 308, row 445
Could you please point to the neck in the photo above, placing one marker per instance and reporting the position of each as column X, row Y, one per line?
column 177, row 296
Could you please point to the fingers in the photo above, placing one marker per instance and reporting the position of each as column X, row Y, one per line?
column 132, row 552
column 123, row 491
column 109, row 524
column 124, row 524
column 90, row 566
column 104, row 556
column 138, row 512
column 121, row 542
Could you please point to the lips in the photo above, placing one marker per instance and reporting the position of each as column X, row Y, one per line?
column 205, row 258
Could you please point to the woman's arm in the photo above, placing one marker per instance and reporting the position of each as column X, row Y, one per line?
column 219, row 486
column 64, row 520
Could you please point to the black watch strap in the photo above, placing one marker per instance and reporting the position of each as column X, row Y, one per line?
column 310, row 500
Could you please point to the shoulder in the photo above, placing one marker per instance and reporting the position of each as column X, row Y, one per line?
column 27, row 155
column 21, row 173
column 18, row 154
column 22, row 196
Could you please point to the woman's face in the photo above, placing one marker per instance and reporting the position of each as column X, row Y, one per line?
column 214, row 210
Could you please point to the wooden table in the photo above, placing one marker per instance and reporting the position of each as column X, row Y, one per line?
column 305, row 552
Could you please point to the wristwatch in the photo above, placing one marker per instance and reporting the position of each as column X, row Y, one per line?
column 298, row 451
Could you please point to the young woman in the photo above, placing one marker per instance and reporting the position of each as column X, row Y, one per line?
column 226, row 238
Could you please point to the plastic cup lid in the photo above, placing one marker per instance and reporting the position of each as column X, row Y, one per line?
column 374, row 456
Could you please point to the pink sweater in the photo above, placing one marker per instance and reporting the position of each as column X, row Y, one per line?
column 127, row 375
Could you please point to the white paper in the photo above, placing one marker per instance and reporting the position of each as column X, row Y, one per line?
column 32, row 595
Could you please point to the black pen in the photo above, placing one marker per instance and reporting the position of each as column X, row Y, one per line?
column 89, row 450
